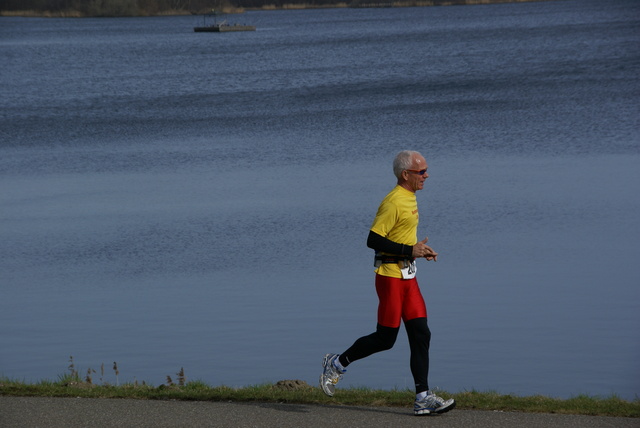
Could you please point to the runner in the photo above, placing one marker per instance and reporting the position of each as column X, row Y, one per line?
column 393, row 236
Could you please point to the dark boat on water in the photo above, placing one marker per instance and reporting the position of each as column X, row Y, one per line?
column 211, row 25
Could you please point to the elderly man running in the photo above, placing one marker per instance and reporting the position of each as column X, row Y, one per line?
column 393, row 236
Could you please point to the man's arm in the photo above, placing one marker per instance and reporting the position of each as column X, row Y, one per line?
column 381, row 244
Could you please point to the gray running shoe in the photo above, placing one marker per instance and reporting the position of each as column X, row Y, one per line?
column 330, row 374
column 432, row 405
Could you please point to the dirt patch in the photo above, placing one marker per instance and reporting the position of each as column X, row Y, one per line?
column 292, row 385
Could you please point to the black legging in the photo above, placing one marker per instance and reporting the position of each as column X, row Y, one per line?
column 385, row 337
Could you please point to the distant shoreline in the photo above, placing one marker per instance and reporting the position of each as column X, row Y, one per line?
column 356, row 4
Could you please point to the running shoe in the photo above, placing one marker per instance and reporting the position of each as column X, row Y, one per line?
column 330, row 374
column 432, row 405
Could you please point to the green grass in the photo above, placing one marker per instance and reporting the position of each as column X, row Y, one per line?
column 72, row 386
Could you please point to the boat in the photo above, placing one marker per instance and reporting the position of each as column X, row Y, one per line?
column 212, row 26
column 223, row 28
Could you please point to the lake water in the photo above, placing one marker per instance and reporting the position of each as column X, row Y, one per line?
column 175, row 199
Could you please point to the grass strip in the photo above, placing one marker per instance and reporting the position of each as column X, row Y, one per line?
column 302, row 393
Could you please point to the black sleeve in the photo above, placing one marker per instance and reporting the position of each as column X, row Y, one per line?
column 382, row 244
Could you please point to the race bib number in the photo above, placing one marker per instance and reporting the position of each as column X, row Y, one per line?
column 409, row 272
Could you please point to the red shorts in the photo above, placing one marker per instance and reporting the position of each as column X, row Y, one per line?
column 400, row 299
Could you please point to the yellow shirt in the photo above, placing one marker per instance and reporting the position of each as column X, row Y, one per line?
column 397, row 220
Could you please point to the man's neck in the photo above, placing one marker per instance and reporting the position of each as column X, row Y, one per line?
column 405, row 185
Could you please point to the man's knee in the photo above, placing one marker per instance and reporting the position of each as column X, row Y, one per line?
column 419, row 328
column 386, row 337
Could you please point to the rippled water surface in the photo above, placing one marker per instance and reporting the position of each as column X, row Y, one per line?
column 176, row 199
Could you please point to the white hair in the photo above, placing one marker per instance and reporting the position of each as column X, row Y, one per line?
column 403, row 161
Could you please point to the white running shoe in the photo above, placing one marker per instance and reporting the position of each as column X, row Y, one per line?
column 330, row 374
column 432, row 405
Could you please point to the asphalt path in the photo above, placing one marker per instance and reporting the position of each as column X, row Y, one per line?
column 49, row 412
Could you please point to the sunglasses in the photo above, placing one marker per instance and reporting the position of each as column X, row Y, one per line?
column 420, row 172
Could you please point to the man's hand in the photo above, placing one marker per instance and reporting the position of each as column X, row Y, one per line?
column 423, row 250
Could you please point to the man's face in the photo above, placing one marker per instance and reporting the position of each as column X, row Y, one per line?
column 417, row 174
